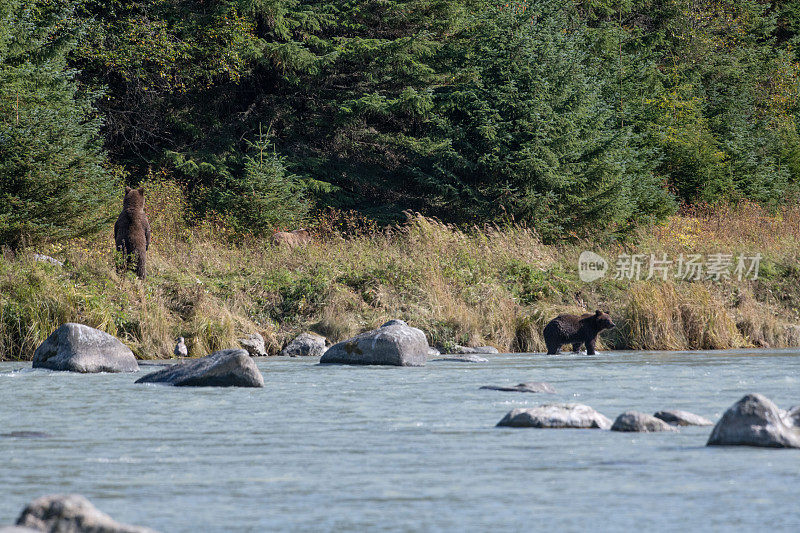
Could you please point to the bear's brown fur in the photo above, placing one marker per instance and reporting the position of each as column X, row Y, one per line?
column 132, row 231
column 576, row 330
column 291, row 239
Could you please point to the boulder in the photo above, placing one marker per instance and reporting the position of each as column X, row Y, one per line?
column 225, row 368
column 561, row 415
column 433, row 352
column 394, row 343
column 254, row 344
column 78, row 348
column 792, row 417
column 71, row 513
column 475, row 349
column 531, row 386
column 682, row 418
column 755, row 421
column 466, row 358
column 641, row 422
column 309, row 344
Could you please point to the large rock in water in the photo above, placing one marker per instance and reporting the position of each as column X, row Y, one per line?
column 71, row 513
column 557, row 415
column 755, row 421
column 78, row 348
column 305, row 344
column 682, row 418
column 395, row 343
column 641, row 422
column 225, row 368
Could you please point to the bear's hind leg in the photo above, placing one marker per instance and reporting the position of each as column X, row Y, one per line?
column 141, row 269
column 553, row 348
column 576, row 347
column 121, row 258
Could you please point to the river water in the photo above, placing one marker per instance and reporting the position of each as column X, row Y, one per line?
column 340, row 448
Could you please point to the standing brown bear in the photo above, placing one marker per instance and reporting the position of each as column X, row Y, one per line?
column 132, row 230
column 575, row 330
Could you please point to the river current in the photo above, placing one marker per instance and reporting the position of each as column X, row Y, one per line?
column 348, row 448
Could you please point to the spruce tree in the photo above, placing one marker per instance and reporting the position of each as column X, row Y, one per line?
column 531, row 133
column 53, row 183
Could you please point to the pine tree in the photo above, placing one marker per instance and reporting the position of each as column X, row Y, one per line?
column 53, row 183
column 531, row 133
column 264, row 196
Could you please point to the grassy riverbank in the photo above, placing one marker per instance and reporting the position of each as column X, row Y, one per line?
column 490, row 285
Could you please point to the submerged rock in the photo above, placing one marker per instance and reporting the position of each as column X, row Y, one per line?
column 641, row 422
column 254, row 344
column 71, row 513
column 755, row 421
column 531, row 386
column 682, row 418
column 305, row 344
column 475, row 349
column 26, row 435
column 433, row 352
column 225, row 368
column 78, row 348
column 560, row 415
column 395, row 343
column 467, row 358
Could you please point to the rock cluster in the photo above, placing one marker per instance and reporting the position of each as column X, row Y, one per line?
column 641, row 422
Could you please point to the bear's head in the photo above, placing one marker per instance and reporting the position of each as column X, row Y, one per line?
column 134, row 199
column 603, row 320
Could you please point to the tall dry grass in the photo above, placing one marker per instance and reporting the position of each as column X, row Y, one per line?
column 741, row 227
column 474, row 286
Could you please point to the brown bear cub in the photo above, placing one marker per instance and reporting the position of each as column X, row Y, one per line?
column 132, row 231
column 576, row 330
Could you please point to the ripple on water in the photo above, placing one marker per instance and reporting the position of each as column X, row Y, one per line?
column 355, row 448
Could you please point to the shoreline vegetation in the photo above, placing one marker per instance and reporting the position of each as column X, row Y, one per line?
column 488, row 285
column 525, row 132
